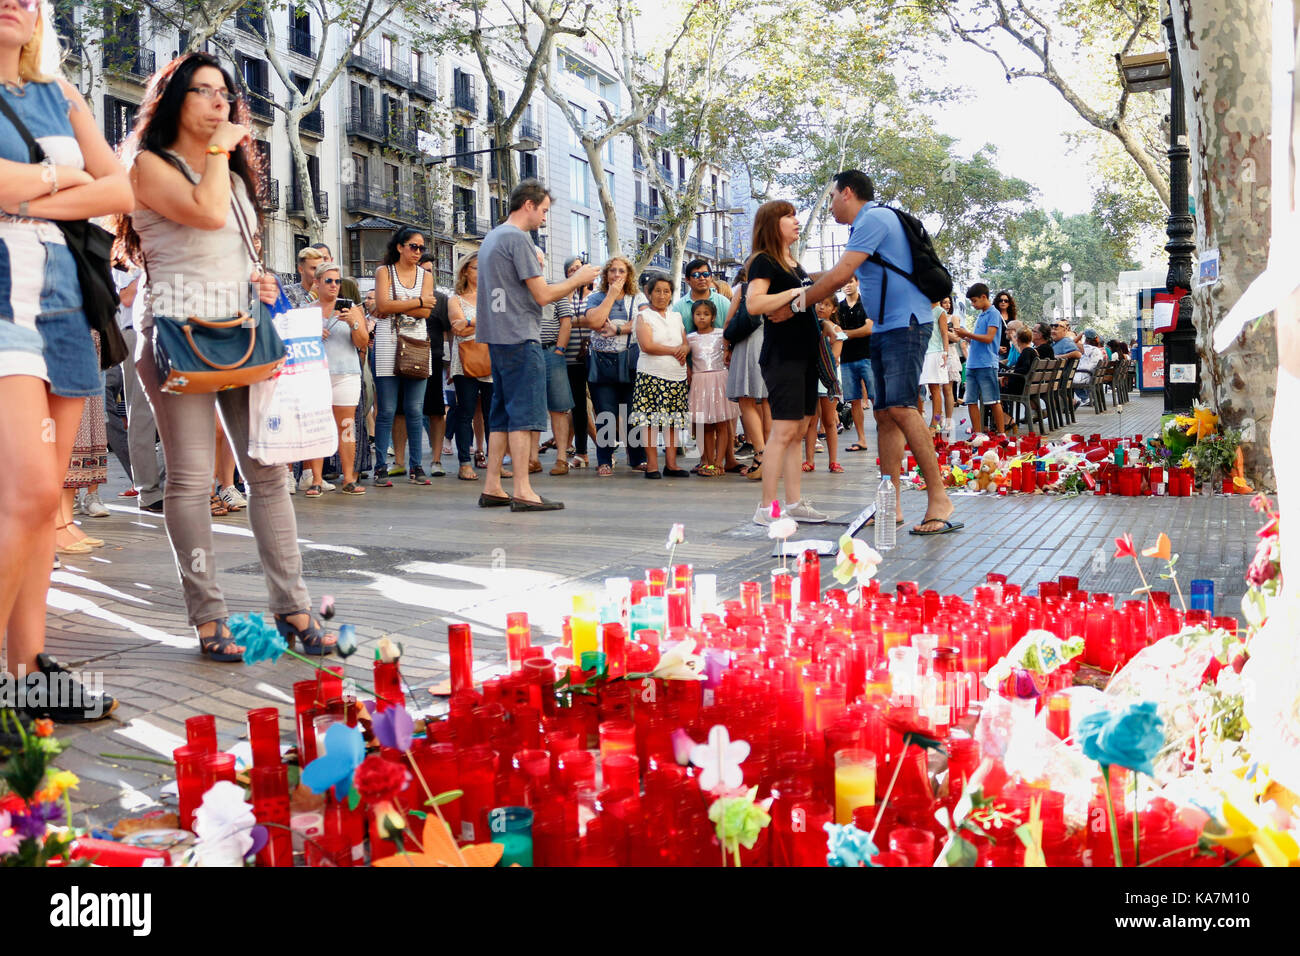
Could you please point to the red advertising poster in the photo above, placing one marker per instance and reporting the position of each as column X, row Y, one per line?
column 1153, row 367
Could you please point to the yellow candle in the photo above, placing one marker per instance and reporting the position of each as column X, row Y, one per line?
column 855, row 783
column 583, row 630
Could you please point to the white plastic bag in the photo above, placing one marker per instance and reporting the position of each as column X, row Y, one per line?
column 290, row 417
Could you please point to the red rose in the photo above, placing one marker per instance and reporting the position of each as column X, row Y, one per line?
column 12, row 803
column 1239, row 662
column 378, row 779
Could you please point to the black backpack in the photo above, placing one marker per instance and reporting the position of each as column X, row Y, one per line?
column 928, row 274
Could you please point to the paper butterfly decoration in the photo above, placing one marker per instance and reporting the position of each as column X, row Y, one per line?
column 345, row 748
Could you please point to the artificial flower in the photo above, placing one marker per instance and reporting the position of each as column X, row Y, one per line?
column 1241, row 484
column 1245, row 827
column 1202, row 422
column 10, row 841
column 260, row 641
column 1262, row 568
column 388, row 652
column 682, row 747
column 1162, row 549
column 344, row 750
column 680, row 662
column 43, row 727
column 347, row 641
column 1124, row 547
column 719, row 759
column 393, row 727
column 846, row 845
column 379, row 780
column 389, row 820
column 58, row 783
column 911, row 731
column 855, row 560
column 1127, row 738
column 327, row 606
column 223, row 825
column 739, row 820
column 782, row 528
column 676, row 536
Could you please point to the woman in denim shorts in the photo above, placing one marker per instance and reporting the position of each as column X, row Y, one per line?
column 48, row 365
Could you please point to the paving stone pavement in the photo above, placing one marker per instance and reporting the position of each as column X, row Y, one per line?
column 408, row 560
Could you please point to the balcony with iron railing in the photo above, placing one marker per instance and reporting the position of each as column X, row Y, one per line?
column 638, row 163
column 295, row 205
column 425, row 85
column 656, row 123
column 530, row 130
column 365, row 56
column 661, row 261
column 131, row 59
column 666, row 172
column 464, row 100
column 259, row 101
column 646, row 211
column 398, row 72
column 300, row 41
column 702, row 247
column 469, row 226
column 364, row 199
column 405, row 138
column 313, row 122
column 269, row 195
column 364, row 123
column 466, row 162
column 251, row 23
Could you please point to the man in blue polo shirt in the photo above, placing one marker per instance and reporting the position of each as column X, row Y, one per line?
column 902, row 316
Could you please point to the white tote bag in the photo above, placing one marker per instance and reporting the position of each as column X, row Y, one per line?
column 290, row 417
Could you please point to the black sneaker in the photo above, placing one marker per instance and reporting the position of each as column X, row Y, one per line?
column 156, row 508
column 416, row 476
column 56, row 694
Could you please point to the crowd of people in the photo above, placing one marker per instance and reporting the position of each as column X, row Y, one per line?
column 753, row 375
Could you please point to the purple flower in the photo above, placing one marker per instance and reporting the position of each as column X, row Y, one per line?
column 32, row 825
column 393, row 727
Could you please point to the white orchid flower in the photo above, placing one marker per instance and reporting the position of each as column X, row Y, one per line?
column 680, row 662
column 223, row 824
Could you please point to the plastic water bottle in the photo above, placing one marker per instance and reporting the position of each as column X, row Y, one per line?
column 886, row 509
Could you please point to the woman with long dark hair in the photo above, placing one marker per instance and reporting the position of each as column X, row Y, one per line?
column 194, row 173
column 404, row 299
column 789, row 356
column 48, row 366
column 1005, row 303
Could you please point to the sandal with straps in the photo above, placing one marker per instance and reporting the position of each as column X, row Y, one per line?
column 220, row 646
column 313, row 641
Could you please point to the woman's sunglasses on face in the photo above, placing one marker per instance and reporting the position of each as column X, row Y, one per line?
column 414, row 247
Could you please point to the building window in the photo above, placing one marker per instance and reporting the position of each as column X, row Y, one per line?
column 417, row 67
column 119, row 117
column 681, row 169
column 446, row 276
column 361, row 170
column 580, row 227
column 578, row 181
column 527, row 166
column 386, row 53
column 391, row 181
column 574, row 141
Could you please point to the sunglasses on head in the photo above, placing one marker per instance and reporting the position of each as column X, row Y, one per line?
column 701, row 275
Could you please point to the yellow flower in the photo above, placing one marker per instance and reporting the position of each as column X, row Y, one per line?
column 1202, row 423
column 58, row 783
column 1248, row 829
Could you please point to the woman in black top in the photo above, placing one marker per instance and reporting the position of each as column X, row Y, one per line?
column 789, row 356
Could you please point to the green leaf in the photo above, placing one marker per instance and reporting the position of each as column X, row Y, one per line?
column 419, row 814
column 961, row 853
column 444, row 798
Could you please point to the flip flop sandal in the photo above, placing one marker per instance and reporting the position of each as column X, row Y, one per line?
column 856, row 447
column 808, row 466
column 836, row 467
column 947, row 526
column 872, row 520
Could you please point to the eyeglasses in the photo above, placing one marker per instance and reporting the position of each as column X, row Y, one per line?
column 208, row 92
column 414, row 248
column 701, row 275
column 1003, row 301
column 332, row 281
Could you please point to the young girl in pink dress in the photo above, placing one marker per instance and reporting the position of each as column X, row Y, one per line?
column 708, row 374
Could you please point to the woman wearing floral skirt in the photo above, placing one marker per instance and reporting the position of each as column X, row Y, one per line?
column 660, row 397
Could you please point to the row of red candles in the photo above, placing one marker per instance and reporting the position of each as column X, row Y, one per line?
column 799, row 691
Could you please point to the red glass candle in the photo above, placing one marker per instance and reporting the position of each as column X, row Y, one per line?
column 1058, row 715
column 1068, row 583
column 478, row 784
column 388, row 685
column 577, row 769
column 638, row 593
column 331, row 682
column 201, row 732
column 807, row 833
column 347, row 825
column 518, row 638
column 264, row 736
column 679, row 612
column 914, row 843
column 440, row 767
column 192, row 781
column 304, row 711
column 535, row 765
column 617, row 736
column 614, row 641
column 541, row 679
column 270, row 797
column 810, row 577
column 220, row 767
column 460, row 645
column 621, row 771
column 782, row 590
column 656, row 581
column 751, row 597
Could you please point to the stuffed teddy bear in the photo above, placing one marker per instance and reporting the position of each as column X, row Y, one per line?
column 985, row 478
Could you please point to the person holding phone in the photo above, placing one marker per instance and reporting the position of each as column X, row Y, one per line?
column 343, row 332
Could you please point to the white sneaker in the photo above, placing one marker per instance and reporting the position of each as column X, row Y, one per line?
column 92, row 507
column 305, row 482
column 289, row 482
column 802, row 510
column 763, row 515
column 232, row 498
column 325, row 485
column 78, row 506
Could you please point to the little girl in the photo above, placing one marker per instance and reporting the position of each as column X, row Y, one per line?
column 827, row 416
column 708, row 383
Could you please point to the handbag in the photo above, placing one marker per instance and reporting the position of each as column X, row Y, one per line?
column 827, row 372
column 196, row 356
column 92, row 250
column 616, row 368
column 475, row 359
column 742, row 324
column 414, row 355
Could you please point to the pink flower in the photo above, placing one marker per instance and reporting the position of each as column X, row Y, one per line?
column 1262, row 569
column 10, row 841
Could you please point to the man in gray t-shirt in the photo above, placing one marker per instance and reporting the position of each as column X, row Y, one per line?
column 511, row 296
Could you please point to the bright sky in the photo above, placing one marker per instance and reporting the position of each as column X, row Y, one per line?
column 1026, row 120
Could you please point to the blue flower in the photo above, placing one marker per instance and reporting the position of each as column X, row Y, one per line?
column 393, row 728
column 347, row 645
column 260, row 641
column 848, row 846
column 345, row 748
column 1128, row 738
